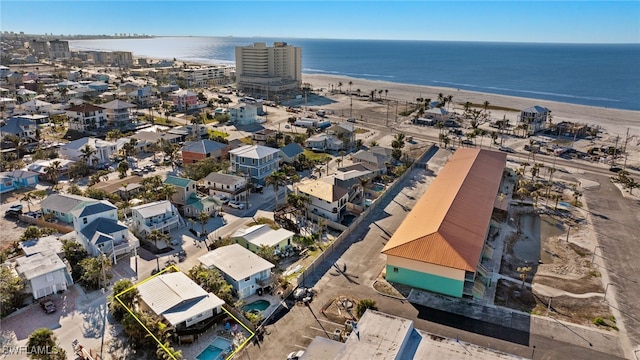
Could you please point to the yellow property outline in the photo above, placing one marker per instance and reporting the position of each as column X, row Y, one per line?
column 173, row 267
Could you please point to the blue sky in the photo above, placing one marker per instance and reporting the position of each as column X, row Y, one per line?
column 518, row 21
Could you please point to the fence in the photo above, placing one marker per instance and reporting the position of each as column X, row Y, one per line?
column 63, row 229
column 328, row 251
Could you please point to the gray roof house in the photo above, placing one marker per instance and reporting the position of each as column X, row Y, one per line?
column 41, row 245
column 534, row 118
column 376, row 156
column 289, row 153
column 44, row 272
column 61, row 205
column 178, row 299
column 244, row 270
column 20, row 127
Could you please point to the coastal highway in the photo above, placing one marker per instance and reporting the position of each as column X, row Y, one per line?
column 419, row 132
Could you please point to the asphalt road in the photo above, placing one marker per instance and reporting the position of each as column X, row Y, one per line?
column 295, row 329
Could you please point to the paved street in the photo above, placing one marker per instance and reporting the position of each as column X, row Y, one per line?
column 361, row 253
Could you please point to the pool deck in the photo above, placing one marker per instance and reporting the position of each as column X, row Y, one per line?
column 274, row 302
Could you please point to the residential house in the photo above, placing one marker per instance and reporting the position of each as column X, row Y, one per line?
column 437, row 113
column 440, row 244
column 344, row 131
column 195, row 131
column 118, row 113
column 146, row 138
column 324, row 142
column 40, row 166
column 36, row 106
column 350, row 180
column 189, row 201
column 44, row 244
column 86, row 117
column 257, row 236
column 20, row 127
column 184, row 100
column 228, row 185
column 245, row 271
column 377, row 157
column 98, row 230
column 256, row 161
column 243, row 114
column 178, row 299
column 98, row 87
column 159, row 215
column 290, row 153
column 142, row 97
column 327, row 200
column 534, row 118
column 128, row 87
column 60, row 206
column 261, row 136
column 37, row 118
column 44, row 272
column 126, row 187
column 17, row 179
column 193, row 151
column 104, row 150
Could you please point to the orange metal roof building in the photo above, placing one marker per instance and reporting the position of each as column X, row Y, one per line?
column 448, row 224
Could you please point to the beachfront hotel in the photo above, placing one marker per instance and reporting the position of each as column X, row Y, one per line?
column 267, row 72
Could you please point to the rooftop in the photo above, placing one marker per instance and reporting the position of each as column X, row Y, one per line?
column 39, row 264
column 263, row 235
column 64, row 203
column 323, row 190
column 447, row 226
column 84, row 108
column 235, row 261
column 154, row 208
column 177, row 181
column 44, row 244
column 203, row 146
column 94, row 208
column 254, row 151
column 225, row 179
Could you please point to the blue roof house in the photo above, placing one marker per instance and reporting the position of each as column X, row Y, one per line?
column 17, row 179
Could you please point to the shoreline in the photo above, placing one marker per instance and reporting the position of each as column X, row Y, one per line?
column 614, row 121
column 611, row 120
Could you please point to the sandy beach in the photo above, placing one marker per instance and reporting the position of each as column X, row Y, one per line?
column 613, row 121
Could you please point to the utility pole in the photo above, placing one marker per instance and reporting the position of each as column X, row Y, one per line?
column 624, row 150
column 615, row 149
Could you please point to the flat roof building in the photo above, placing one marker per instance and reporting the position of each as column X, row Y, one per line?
column 267, row 71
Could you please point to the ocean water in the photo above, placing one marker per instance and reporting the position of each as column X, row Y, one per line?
column 603, row 75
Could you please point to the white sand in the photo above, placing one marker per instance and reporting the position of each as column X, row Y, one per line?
column 613, row 121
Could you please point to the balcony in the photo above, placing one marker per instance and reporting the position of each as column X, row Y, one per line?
column 268, row 281
column 160, row 225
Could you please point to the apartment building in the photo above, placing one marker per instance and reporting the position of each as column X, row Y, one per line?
column 268, row 71
column 206, row 76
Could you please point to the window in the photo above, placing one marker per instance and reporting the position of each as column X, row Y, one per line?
column 395, row 269
column 247, row 279
column 49, row 277
column 84, row 220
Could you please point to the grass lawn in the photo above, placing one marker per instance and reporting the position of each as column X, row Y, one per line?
column 247, row 140
column 315, row 156
column 361, row 131
column 218, row 133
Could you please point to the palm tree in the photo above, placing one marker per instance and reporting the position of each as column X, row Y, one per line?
column 204, row 217
column 167, row 191
column 53, row 172
column 350, row 83
column 449, row 100
column 86, row 154
column 44, row 338
column 485, row 106
column 363, row 183
column 318, row 170
column 327, row 160
column 28, row 198
column 122, row 169
column 398, row 141
column 276, row 179
column 524, row 166
column 154, row 236
column 446, row 141
column 340, row 86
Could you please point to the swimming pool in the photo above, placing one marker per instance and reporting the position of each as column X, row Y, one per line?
column 260, row 305
column 377, row 187
column 348, row 219
column 214, row 351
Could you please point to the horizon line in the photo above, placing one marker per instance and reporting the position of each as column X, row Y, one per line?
column 323, row 38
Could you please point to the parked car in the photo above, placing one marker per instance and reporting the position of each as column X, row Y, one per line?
column 175, row 242
column 236, row 205
column 13, row 212
column 48, row 307
column 33, row 214
column 506, row 149
column 138, row 172
column 295, row 355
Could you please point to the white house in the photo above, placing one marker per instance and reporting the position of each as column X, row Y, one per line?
column 255, row 160
column 245, row 271
column 104, row 150
column 97, row 228
column 257, row 236
column 118, row 113
column 377, row 157
column 225, row 185
column 178, row 299
column 243, row 114
column 534, row 118
column 324, row 142
column 44, row 272
column 159, row 215
column 327, row 200
column 36, row 106
column 86, row 117
column 20, row 127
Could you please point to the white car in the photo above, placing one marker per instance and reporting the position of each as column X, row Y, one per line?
column 236, row 205
column 295, row 355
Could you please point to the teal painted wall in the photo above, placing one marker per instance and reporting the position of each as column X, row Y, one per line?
column 425, row 281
